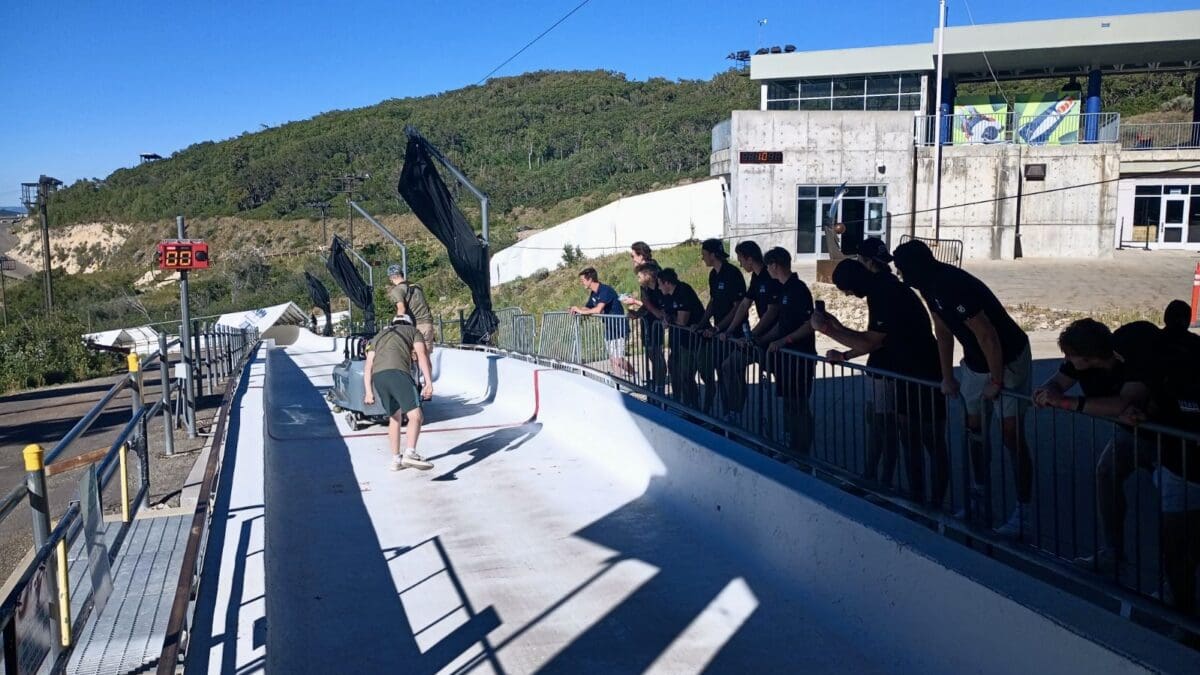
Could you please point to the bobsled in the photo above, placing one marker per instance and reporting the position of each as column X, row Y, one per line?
column 347, row 392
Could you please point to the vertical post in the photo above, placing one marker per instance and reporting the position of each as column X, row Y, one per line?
column 64, row 593
column 185, row 343
column 140, row 442
column 49, row 287
column 1091, row 110
column 164, row 375
column 3, row 294
column 35, row 482
column 123, row 456
column 197, row 352
column 937, row 157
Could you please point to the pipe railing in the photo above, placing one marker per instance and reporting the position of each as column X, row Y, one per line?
column 43, row 611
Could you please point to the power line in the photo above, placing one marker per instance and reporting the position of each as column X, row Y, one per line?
column 986, row 60
column 863, row 220
column 531, row 42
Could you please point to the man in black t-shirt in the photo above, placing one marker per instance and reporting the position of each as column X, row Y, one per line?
column 763, row 295
column 898, row 339
column 1116, row 372
column 726, row 288
column 684, row 312
column 649, row 308
column 794, row 333
column 996, row 357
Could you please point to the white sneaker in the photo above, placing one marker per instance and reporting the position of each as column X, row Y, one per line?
column 414, row 461
column 396, row 464
column 1016, row 523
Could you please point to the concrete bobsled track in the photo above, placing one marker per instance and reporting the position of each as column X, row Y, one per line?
column 569, row 528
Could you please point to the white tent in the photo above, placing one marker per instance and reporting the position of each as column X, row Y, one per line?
column 142, row 340
column 270, row 321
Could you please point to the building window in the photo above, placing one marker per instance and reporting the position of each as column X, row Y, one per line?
column 863, row 210
column 869, row 92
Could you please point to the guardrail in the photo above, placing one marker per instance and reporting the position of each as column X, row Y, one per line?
column 900, row 440
column 1162, row 136
column 949, row 251
column 1048, row 128
column 45, row 609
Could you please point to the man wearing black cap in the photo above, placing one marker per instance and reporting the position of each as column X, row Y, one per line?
column 898, row 339
column 410, row 300
column 996, row 357
column 726, row 288
column 873, row 254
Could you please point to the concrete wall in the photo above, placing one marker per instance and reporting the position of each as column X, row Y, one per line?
column 665, row 217
column 1075, row 223
column 819, row 148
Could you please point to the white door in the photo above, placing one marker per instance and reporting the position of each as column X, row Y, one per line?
column 1174, row 217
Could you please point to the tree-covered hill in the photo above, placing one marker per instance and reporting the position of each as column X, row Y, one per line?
column 532, row 141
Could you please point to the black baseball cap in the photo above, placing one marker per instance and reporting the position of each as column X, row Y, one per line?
column 715, row 247
column 874, row 249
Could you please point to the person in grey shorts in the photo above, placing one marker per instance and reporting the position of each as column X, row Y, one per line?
column 388, row 371
column 996, row 359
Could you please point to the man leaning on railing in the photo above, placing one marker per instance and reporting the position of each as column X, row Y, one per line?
column 793, row 374
column 603, row 300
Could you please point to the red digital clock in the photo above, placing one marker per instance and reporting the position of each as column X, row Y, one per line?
column 761, row 157
column 181, row 255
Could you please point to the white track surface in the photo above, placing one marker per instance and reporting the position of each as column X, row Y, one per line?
column 567, row 528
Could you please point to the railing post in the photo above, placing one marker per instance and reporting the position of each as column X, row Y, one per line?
column 64, row 593
column 164, row 374
column 140, row 442
column 39, row 509
column 198, row 364
column 576, row 347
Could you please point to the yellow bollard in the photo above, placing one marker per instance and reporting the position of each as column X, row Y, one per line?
column 33, row 454
column 135, row 363
column 64, row 595
column 124, row 484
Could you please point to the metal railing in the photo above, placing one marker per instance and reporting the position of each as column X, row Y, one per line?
column 899, row 439
column 949, row 251
column 1162, row 136
column 1006, row 128
column 52, row 599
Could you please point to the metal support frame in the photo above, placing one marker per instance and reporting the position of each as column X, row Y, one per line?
column 459, row 176
column 387, row 233
column 185, row 342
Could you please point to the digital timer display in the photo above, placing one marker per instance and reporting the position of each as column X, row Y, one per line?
column 761, row 157
column 178, row 255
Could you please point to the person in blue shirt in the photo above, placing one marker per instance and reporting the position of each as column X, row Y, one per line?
column 604, row 301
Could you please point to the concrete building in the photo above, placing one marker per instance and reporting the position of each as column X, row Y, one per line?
column 1052, row 175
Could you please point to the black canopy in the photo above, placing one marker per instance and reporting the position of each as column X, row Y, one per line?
column 427, row 196
column 320, row 297
column 348, row 279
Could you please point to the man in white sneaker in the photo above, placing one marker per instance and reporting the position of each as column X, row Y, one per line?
column 388, row 371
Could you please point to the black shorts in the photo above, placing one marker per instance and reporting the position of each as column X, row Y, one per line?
column 397, row 391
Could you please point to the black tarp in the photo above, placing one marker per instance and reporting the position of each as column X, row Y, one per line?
column 320, row 298
column 348, row 279
column 422, row 187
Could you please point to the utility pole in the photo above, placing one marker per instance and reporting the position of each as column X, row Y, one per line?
column 937, row 157
column 323, row 207
column 35, row 196
column 185, row 342
column 348, row 185
column 7, row 264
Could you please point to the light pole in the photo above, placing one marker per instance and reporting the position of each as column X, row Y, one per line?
column 323, row 207
column 937, row 158
column 35, row 195
column 7, row 264
column 350, row 183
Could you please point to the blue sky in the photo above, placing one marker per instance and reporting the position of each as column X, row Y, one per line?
column 90, row 84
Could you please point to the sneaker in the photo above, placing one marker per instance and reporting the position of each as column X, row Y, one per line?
column 1016, row 522
column 396, row 464
column 414, row 461
column 1104, row 561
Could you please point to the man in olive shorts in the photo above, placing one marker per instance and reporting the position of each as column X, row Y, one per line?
column 410, row 299
column 388, row 371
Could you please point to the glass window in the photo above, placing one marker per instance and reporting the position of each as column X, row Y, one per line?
column 783, row 89
column 910, row 84
column 910, row 102
column 881, row 102
column 848, row 103
column 1175, row 189
column 856, row 191
column 848, row 86
column 876, row 190
column 1146, row 211
column 1193, row 225
column 1174, row 211
column 806, row 226
column 1196, row 189
column 782, row 105
column 827, row 190
column 883, row 84
column 814, row 104
column 1148, row 190
column 806, row 191
column 814, row 88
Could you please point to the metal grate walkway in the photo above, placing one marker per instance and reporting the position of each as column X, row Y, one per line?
column 127, row 634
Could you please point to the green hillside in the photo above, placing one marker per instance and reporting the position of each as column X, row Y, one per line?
column 531, row 141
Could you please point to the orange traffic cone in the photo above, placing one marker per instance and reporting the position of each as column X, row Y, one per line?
column 1195, row 293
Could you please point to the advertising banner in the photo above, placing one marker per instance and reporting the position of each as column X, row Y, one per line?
column 1048, row 119
column 979, row 119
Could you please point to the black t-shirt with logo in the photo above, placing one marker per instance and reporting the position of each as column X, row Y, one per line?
column 684, row 299
column 763, row 290
column 795, row 310
column 909, row 347
column 1138, row 344
column 955, row 296
column 725, row 289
